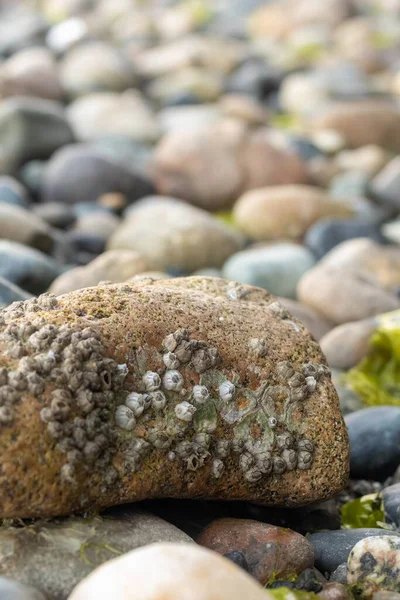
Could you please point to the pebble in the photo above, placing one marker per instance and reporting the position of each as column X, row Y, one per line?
column 332, row 548
column 374, row 565
column 27, row 267
column 284, row 212
column 225, row 359
column 314, row 321
column 101, row 223
column 374, row 442
column 269, row 551
column 81, row 543
column 335, row 591
column 13, row 590
column 178, row 572
column 276, row 267
column 385, row 186
column 12, row 192
column 346, row 345
column 176, row 237
column 55, row 214
column 114, row 266
column 94, row 175
column 30, row 128
column 391, row 504
column 17, row 224
column 326, row 234
column 367, row 159
column 11, row 293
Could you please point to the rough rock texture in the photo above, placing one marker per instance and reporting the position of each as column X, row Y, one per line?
column 374, row 564
column 182, row 388
column 54, row 556
column 269, row 551
column 170, row 572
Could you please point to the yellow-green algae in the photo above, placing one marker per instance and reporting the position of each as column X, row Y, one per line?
column 366, row 511
column 376, row 379
column 284, row 593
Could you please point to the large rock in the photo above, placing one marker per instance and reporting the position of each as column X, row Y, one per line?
column 30, row 128
column 54, row 556
column 20, row 225
column 163, row 388
column 349, row 118
column 170, row 572
column 284, row 211
column 345, row 346
column 114, row 266
column 175, row 236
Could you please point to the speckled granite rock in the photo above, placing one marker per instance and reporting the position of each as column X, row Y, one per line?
column 164, row 388
column 374, row 565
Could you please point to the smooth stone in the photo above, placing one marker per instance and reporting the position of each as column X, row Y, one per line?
column 391, row 504
column 114, row 266
column 30, row 72
column 175, row 236
column 11, row 293
column 349, row 400
column 31, row 175
column 101, row 223
column 207, row 272
column 324, row 235
column 305, row 148
column 18, row 224
column 81, row 241
column 385, row 595
column 178, row 573
column 349, row 118
column 254, row 77
column 95, row 66
column 332, row 548
column 303, row 93
column 26, row 267
column 94, row 175
column 238, row 558
column 374, row 565
column 285, row 211
column 391, row 231
column 114, row 201
column 62, row 36
column 349, row 184
column 130, row 332
column 30, row 128
column 276, row 268
column 20, row 29
column 269, row 551
column 55, row 214
column 314, row 321
column 335, row 591
column 346, row 345
column 185, row 118
column 242, row 107
column 12, row 192
column 13, row 590
column 367, row 159
column 102, row 114
column 81, row 543
column 374, row 442
column 385, row 186
column 126, row 151
column 205, row 84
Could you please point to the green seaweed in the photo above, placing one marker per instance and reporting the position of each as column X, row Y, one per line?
column 98, row 548
column 377, row 377
column 284, row 593
column 363, row 512
column 284, row 120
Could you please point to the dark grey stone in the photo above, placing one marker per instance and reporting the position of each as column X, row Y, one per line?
column 386, row 185
column 391, row 504
column 55, row 214
column 31, row 174
column 255, row 77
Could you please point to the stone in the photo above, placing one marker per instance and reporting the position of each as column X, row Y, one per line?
column 31, row 175
column 385, row 595
column 12, row 192
column 101, row 223
column 339, row 575
column 374, row 441
column 11, row 293
column 188, row 117
column 127, row 403
column 367, row 159
column 27, row 267
column 241, row 106
column 94, row 175
column 332, row 548
column 30, row 128
column 391, row 231
column 354, row 40
column 55, row 214
column 385, row 186
column 391, row 504
column 203, row 84
column 178, row 572
column 255, row 78
column 175, row 236
column 374, row 565
column 276, row 267
column 346, row 345
column 102, row 114
column 12, row 590
column 114, row 266
column 30, row 72
column 325, row 234
column 62, row 36
column 95, row 67
column 349, row 118
column 269, row 551
column 360, row 297
column 19, row 29
column 317, row 325
column 335, row 591
column 284, row 212
column 20, row 225
column 81, row 543
column 303, row 93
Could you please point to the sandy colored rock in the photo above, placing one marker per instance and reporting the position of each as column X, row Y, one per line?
column 163, row 389
column 316, row 324
column 177, row 573
column 285, row 211
column 19, row 225
column 349, row 119
column 269, row 551
column 347, row 344
column 114, row 266
column 175, row 236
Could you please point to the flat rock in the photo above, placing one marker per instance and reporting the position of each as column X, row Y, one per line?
column 177, row 573
column 268, row 551
column 124, row 402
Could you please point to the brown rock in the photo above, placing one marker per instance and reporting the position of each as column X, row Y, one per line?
column 349, row 119
column 111, row 412
column 347, row 344
column 269, row 551
column 316, row 324
column 285, row 211
column 114, row 266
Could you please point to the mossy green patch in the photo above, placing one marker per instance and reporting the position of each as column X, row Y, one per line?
column 363, row 512
column 283, row 593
